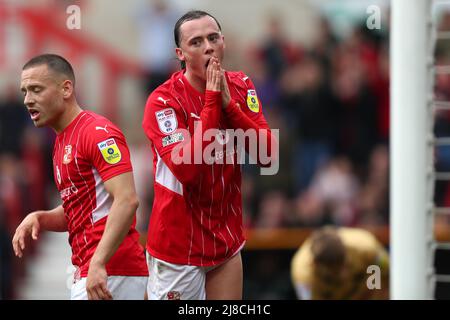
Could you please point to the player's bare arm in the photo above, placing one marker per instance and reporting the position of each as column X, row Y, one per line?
column 119, row 221
column 48, row 220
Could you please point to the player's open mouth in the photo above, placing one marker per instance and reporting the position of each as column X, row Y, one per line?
column 207, row 63
column 34, row 114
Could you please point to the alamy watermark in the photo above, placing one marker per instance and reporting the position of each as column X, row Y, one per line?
column 374, row 19
column 74, row 19
column 226, row 147
column 374, row 280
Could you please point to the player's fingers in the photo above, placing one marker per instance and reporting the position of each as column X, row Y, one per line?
column 209, row 75
column 217, row 67
column 106, row 293
column 93, row 294
column 18, row 251
column 100, row 293
column 35, row 232
column 214, row 74
column 15, row 245
column 216, row 80
column 219, row 79
column 224, row 80
column 208, row 70
column 210, row 67
column 108, row 296
column 211, row 71
column 90, row 289
column 21, row 240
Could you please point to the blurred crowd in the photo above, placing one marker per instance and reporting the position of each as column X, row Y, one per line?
column 330, row 102
column 442, row 115
column 25, row 178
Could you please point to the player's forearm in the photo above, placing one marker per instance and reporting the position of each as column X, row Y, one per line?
column 52, row 220
column 264, row 138
column 209, row 119
column 120, row 219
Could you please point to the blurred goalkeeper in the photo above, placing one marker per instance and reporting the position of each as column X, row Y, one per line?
column 341, row 264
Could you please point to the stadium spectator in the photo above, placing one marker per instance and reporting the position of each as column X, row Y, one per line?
column 13, row 122
column 155, row 19
column 373, row 195
column 309, row 102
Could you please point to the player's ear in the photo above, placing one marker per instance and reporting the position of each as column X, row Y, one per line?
column 67, row 88
column 180, row 54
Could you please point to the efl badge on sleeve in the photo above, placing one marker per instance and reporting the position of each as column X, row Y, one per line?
column 110, row 151
column 167, row 120
column 252, row 101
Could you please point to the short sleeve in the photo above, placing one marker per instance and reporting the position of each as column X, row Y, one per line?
column 107, row 149
column 252, row 105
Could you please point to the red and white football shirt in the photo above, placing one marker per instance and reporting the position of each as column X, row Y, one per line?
column 89, row 151
column 196, row 222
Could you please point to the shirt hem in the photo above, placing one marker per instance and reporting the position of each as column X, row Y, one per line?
column 196, row 262
column 120, row 273
column 116, row 173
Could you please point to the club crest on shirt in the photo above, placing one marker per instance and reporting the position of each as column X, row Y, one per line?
column 252, row 101
column 167, row 120
column 173, row 295
column 67, row 158
column 110, row 151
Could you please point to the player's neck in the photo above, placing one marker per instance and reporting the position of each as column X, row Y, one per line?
column 71, row 112
column 197, row 83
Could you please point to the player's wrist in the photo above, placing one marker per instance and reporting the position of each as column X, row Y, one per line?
column 37, row 215
column 97, row 262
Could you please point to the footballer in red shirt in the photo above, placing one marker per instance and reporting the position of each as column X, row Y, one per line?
column 93, row 174
column 196, row 232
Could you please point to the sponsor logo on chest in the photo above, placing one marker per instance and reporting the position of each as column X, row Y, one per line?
column 64, row 193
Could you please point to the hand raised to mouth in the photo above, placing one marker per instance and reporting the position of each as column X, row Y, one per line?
column 213, row 78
